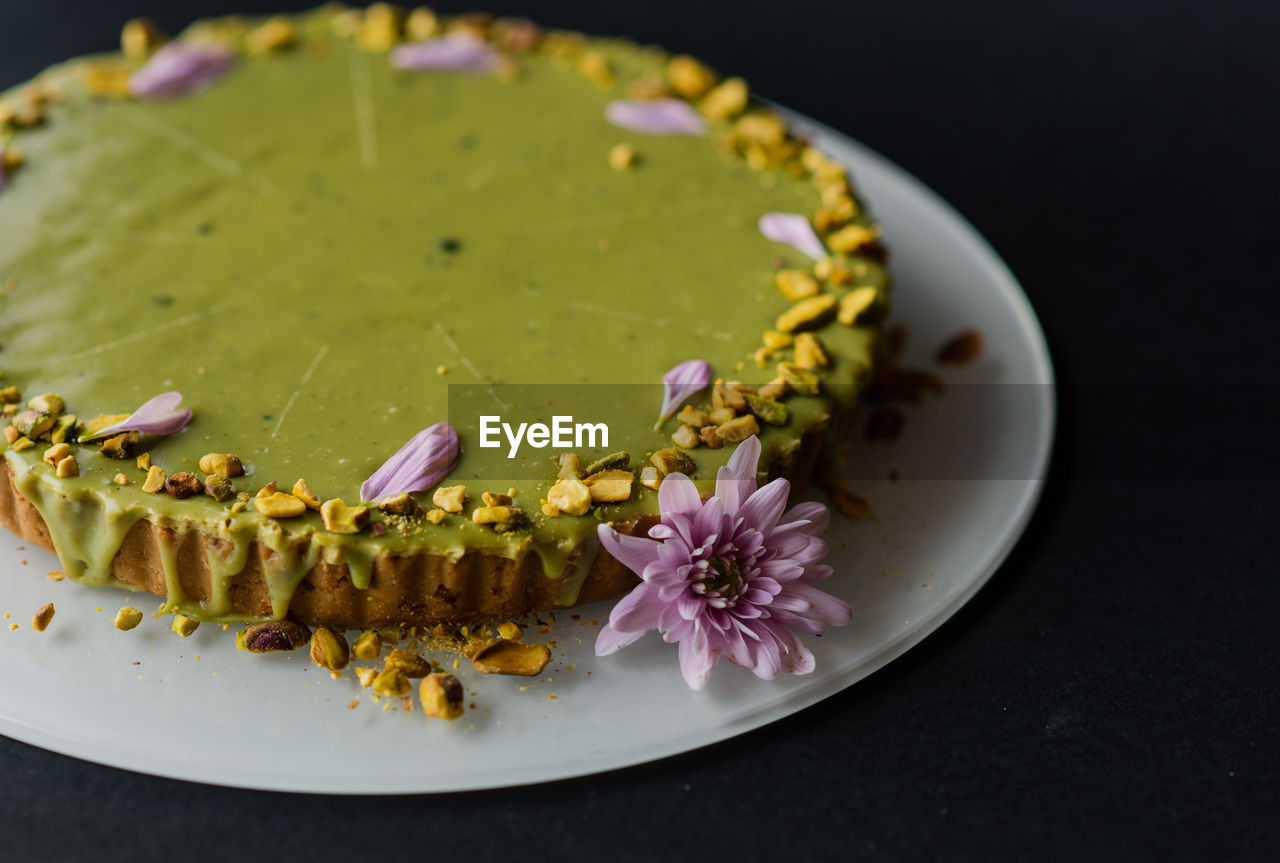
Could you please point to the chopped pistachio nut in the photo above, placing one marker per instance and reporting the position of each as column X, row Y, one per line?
column 275, row 34
column 687, row 437
column 56, row 453
column 42, row 618
column 33, row 423
column 392, row 681
column 450, row 498
column 121, row 446
column 776, row 389
column 809, row 352
column 762, row 127
column 121, row 479
column 648, row 87
column 67, row 467
column 218, row 487
column 689, row 77
column 719, row 416
column 303, row 492
column 851, row 238
column 725, row 396
column 613, row 461
column 139, row 38
column 510, row 630
column 224, row 463
column 409, row 662
column 594, row 66
column 182, row 485
column 570, row 465
column 610, row 486
column 21, row 443
column 155, row 480
column 770, row 412
column 442, row 695
column 669, row 461
column 10, row 395
column 739, row 428
column 11, row 434
column 436, row 516
column 144, row 461
column 623, row 157
column 491, row 498
column 279, row 505
column 726, row 100
column 501, row 517
column 650, row 476
column 855, row 304
column 796, row 284
column 184, row 625
column 776, row 341
column 689, row 415
column 570, row 496
column 422, row 23
column 799, row 379
column 8, row 411
column 63, row 429
column 239, row 506
column 56, row 575
column 512, row 657
column 271, row 636
column 402, row 504
column 48, row 403
column 833, row 271
column 340, row 518
column 329, row 650
column 366, row 676
column 127, row 618
column 367, row 645
column 380, row 27
column 810, row 312
column 107, row 78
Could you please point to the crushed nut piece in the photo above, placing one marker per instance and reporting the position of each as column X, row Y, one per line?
column 501, row 517
column 436, row 516
column 391, row 681
column 155, row 480
column 495, row 499
column 776, row 390
column 279, row 505
column 689, row 415
column 121, row 446
column 857, row 303
column 571, row 496
column 570, row 465
column 42, row 618
column 56, row 453
column 139, row 38
column 409, row 662
column 613, row 461
column 670, row 460
column 725, row 101
column 366, row 676
column 809, row 352
column 711, row 436
column 800, row 379
column 271, row 636
column 510, row 630
column 33, row 424
column 329, row 649
column 441, row 696
column 770, row 412
column 184, row 625
column 623, row 157
column 218, row 487
column 450, row 498
column 739, row 429
column 594, row 66
column 225, row 463
column 11, row 434
column 610, row 486
column 340, row 518
column 650, row 477
column 56, row 575
column 10, row 395
column 21, row 443
column 303, row 492
column 367, row 645
column 689, row 77
column 127, row 618
column 851, row 238
column 403, row 504
column 67, row 467
column 182, row 485
column 144, row 461
column 48, row 403
column 796, row 284
column 724, row 396
column 720, row 416
column 121, row 479
column 275, row 34
column 512, row 657
column 686, row 436
column 423, row 23
column 380, row 27
column 776, row 341
column 833, row 271
column 808, row 313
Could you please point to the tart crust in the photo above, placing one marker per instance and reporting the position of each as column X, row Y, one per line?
column 424, row 589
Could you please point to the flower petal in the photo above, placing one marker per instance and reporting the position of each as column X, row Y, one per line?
column 678, row 494
column 179, row 68
column 456, row 52
column 611, row 640
column 762, row 509
column 159, row 415
column 824, row 608
column 638, row 611
column 794, row 230
column 655, row 116
column 421, row 463
column 681, row 383
column 696, row 659
column 633, row 552
column 809, row 517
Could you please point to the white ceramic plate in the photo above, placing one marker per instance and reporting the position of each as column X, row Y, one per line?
column 199, row 710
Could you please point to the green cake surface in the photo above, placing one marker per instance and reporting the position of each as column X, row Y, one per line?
column 302, row 247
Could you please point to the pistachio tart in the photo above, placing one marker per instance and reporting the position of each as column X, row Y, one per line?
column 331, row 231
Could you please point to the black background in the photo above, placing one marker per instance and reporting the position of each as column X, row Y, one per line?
column 1111, row 694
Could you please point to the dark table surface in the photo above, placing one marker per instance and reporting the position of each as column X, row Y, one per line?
column 1111, row 694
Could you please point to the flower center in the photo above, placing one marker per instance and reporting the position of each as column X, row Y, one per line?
column 723, row 578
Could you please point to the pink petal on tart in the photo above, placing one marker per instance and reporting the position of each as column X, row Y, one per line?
column 179, row 68
column 655, row 116
column 160, row 416
column 418, row 465
column 682, row 383
column 794, row 230
column 458, row 53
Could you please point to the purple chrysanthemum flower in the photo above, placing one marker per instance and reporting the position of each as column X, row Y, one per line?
column 731, row 576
